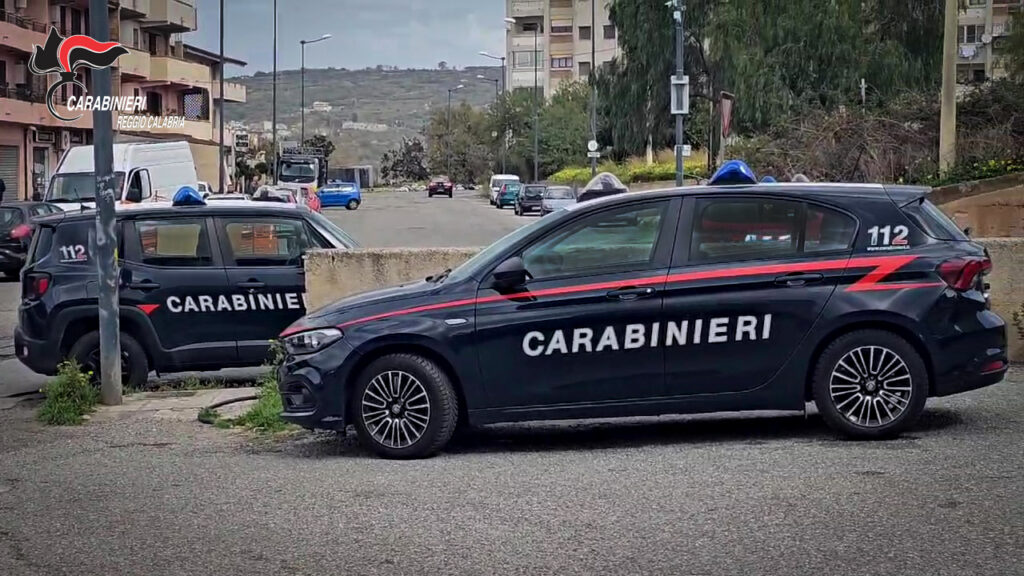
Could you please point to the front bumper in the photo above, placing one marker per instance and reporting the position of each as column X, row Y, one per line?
column 40, row 356
column 314, row 387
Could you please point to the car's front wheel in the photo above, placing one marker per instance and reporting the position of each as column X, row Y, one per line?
column 134, row 364
column 870, row 384
column 352, row 204
column 405, row 407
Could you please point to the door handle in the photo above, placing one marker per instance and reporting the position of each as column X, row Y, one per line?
column 144, row 286
column 627, row 294
column 251, row 285
column 796, row 280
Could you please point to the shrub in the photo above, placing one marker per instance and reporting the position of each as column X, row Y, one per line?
column 633, row 171
column 68, row 397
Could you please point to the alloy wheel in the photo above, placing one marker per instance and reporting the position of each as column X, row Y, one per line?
column 871, row 386
column 396, row 409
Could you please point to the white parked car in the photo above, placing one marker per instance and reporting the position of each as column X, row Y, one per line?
column 499, row 180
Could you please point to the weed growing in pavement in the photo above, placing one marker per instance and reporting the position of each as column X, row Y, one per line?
column 69, row 397
column 265, row 415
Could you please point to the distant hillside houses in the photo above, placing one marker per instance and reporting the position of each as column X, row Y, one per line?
column 364, row 126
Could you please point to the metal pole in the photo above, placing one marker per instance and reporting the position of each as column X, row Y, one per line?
column 302, row 81
column 947, row 120
column 536, row 120
column 593, row 84
column 504, row 135
column 503, row 72
column 106, row 229
column 680, row 119
column 222, row 186
column 448, row 134
column 273, row 128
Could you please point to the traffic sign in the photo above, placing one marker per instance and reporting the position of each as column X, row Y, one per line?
column 592, row 146
column 593, row 154
column 687, row 150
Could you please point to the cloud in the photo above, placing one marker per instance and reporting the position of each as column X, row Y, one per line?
column 405, row 33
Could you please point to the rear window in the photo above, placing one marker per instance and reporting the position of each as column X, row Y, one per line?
column 10, row 218
column 534, row 191
column 933, row 221
column 559, row 194
column 42, row 243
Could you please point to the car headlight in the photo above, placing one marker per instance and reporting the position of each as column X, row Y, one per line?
column 311, row 340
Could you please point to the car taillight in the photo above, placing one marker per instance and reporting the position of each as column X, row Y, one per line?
column 36, row 285
column 22, row 231
column 961, row 273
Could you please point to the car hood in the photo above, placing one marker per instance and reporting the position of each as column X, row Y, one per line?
column 380, row 300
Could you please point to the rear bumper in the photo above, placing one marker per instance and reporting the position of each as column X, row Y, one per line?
column 40, row 356
column 11, row 260
column 975, row 357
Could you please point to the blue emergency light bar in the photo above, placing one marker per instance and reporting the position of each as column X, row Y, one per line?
column 733, row 172
column 188, row 196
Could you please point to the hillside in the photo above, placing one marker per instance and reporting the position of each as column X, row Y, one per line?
column 399, row 99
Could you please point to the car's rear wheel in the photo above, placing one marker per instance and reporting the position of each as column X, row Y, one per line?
column 405, row 407
column 352, row 204
column 870, row 384
column 134, row 364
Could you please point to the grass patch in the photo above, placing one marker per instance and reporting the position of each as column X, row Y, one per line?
column 69, row 397
column 265, row 415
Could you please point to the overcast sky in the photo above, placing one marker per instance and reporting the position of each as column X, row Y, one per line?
column 404, row 33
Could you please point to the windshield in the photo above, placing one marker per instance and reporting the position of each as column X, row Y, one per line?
column 559, row 194
column 10, row 218
column 473, row 267
column 302, row 172
column 511, row 189
column 79, row 187
column 331, row 229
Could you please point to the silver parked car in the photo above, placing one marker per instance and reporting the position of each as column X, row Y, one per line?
column 556, row 198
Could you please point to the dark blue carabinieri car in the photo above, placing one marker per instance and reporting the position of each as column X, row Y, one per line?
column 864, row 299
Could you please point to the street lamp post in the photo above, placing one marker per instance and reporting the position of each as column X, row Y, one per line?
column 486, row 54
column 221, row 176
column 302, row 81
column 496, row 94
column 448, row 129
column 273, row 129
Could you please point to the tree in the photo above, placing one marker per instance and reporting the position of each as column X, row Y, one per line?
column 322, row 142
column 1013, row 48
column 405, row 163
column 442, row 65
column 464, row 145
column 565, row 128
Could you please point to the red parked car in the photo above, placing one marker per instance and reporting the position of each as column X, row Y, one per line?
column 440, row 185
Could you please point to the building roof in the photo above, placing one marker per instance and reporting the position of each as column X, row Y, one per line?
column 208, row 57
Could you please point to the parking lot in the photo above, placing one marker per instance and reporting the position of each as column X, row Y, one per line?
column 725, row 494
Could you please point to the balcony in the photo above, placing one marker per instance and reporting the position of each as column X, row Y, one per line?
column 135, row 63
column 177, row 71
column 195, row 129
column 525, row 41
column 172, row 16
column 233, row 92
column 524, row 8
column 19, row 106
column 21, row 33
column 133, row 9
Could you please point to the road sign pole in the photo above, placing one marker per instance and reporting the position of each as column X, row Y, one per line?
column 106, row 234
column 679, row 12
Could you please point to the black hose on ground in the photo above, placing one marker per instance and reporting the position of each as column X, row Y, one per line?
column 208, row 415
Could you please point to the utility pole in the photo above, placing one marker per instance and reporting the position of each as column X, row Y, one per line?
column 593, row 84
column 302, row 90
column 448, row 128
column 222, row 182
column 106, row 229
column 536, row 114
column 947, row 120
column 273, row 129
column 680, row 88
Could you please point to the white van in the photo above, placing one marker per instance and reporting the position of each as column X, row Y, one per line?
column 143, row 172
column 498, row 180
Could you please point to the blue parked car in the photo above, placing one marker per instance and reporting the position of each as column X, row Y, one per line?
column 345, row 194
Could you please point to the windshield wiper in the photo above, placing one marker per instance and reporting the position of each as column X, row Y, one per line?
column 438, row 278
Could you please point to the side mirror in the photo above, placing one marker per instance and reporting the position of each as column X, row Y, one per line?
column 510, row 274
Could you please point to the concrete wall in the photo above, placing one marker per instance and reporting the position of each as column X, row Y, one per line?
column 1007, row 281
column 997, row 214
column 945, row 194
column 334, row 274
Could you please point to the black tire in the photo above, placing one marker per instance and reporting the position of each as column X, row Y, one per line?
column 443, row 407
column 429, row 195
column 353, row 204
column 134, row 364
column 871, row 342
column 451, row 194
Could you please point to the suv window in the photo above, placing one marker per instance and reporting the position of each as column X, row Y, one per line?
column 827, row 230
column 10, row 218
column 623, row 237
column 176, row 242
column 264, row 241
column 728, row 230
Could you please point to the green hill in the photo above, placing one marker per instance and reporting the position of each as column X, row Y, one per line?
column 399, row 99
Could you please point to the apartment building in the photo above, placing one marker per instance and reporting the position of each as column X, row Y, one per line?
column 176, row 79
column 983, row 28
column 552, row 41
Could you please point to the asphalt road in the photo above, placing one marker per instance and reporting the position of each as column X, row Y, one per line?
column 386, row 219
column 723, row 495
